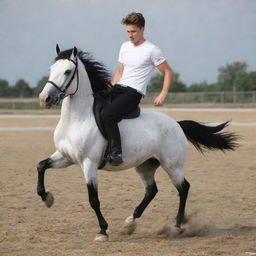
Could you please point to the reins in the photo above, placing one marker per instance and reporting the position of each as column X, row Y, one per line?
column 63, row 92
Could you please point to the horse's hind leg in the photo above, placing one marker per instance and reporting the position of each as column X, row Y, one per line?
column 183, row 194
column 182, row 185
column 55, row 161
column 147, row 172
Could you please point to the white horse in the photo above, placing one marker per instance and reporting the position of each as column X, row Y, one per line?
column 149, row 141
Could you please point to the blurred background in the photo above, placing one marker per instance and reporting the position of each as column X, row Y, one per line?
column 211, row 45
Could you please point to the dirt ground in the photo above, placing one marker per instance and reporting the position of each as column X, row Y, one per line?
column 221, row 206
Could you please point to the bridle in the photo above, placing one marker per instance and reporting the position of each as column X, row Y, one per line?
column 63, row 94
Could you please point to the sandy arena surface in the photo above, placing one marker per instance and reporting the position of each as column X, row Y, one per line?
column 221, row 206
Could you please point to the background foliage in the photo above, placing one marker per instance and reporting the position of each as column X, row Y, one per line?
column 232, row 77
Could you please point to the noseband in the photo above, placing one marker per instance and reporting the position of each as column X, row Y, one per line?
column 63, row 92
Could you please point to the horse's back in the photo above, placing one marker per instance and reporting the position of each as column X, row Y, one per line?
column 167, row 127
column 153, row 121
column 153, row 134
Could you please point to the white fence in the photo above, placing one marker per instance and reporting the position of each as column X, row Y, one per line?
column 243, row 97
column 206, row 97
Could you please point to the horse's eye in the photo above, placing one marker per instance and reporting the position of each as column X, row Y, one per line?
column 67, row 72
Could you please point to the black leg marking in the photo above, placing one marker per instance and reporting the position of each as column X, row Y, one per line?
column 42, row 166
column 183, row 193
column 95, row 204
column 151, row 191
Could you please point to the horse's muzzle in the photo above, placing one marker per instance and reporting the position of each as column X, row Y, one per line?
column 46, row 101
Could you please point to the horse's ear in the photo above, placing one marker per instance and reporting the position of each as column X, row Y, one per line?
column 74, row 53
column 57, row 49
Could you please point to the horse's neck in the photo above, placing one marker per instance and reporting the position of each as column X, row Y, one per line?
column 79, row 106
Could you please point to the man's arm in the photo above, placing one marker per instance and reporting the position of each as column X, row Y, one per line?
column 118, row 74
column 168, row 74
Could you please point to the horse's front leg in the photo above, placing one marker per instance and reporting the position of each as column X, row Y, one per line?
column 56, row 160
column 90, row 173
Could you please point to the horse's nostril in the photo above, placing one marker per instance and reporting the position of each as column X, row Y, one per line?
column 48, row 99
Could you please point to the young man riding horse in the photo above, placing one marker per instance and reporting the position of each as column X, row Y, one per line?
column 137, row 60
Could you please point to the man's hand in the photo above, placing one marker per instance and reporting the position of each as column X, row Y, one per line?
column 159, row 100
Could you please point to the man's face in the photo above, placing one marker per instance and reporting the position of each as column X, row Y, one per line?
column 135, row 34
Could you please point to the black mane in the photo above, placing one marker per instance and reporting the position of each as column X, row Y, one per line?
column 97, row 73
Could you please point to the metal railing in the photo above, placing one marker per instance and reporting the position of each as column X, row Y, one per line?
column 241, row 97
column 205, row 97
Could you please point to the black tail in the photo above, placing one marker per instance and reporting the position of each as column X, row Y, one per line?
column 209, row 137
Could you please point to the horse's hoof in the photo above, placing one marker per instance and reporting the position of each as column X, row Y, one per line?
column 129, row 226
column 101, row 238
column 129, row 220
column 49, row 199
column 180, row 230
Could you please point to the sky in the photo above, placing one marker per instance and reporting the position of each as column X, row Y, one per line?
column 196, row 36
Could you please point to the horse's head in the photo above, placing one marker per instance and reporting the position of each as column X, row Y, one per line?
column 63, row 80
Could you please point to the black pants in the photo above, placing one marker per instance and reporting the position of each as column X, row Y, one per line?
column 124, row 100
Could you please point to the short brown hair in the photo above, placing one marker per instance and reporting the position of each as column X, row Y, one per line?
column 134, row 18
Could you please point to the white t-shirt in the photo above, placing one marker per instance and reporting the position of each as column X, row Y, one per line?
column 139, row 63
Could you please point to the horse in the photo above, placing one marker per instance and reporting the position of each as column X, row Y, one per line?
column 151, row 140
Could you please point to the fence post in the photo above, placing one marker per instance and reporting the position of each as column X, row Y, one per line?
column 234, row 96
column 222, row 97
column 202, row 97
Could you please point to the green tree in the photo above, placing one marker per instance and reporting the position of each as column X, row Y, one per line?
column 4, row 89
column 247, row 82
column 252, row 81
column 177, row 85
column 230, row 75
column 22, row 89
column 156, row 83
column 40, row 85
column 199, row 87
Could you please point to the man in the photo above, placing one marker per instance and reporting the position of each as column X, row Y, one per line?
column 137, row 60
